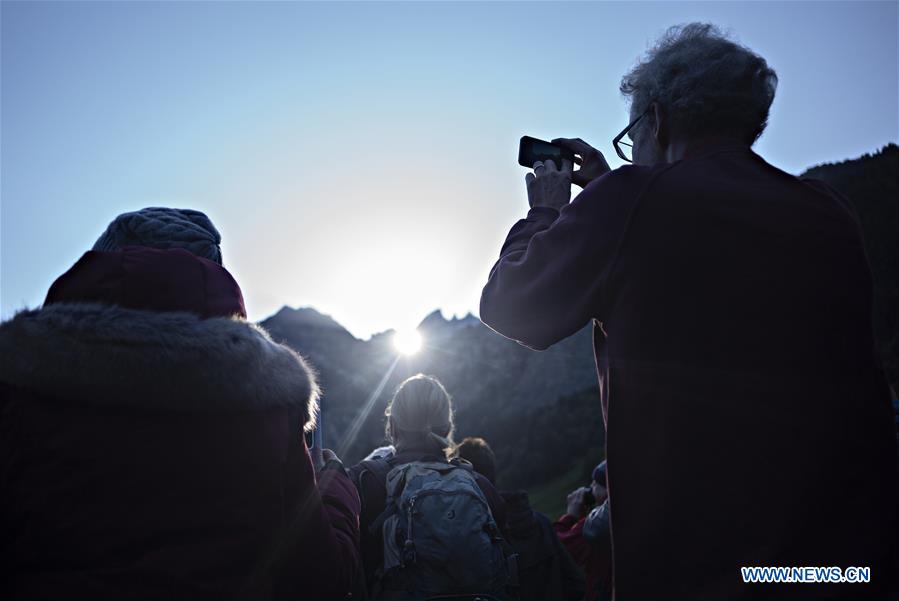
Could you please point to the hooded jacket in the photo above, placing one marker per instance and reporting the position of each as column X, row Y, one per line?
column 151, row 444
column 747, row 417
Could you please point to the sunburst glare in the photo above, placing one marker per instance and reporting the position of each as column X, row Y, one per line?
column 407, row 342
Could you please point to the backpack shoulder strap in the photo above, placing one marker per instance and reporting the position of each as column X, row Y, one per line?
column 379, row 469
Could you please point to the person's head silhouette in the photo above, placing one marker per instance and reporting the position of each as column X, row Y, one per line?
column 693, row 87
column 420, row 416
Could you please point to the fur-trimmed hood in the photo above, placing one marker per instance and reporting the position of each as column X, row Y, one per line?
column 109, row 355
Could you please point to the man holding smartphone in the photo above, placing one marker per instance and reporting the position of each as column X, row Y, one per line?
column 731, row 304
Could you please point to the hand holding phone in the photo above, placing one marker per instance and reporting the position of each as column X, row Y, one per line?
column 593, row 163
column 577, row 503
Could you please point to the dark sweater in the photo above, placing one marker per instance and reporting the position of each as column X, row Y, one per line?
column 731, row 305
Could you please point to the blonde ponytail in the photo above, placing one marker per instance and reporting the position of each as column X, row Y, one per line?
column 420, row 416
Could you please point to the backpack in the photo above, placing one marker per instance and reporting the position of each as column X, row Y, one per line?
column 439, row 536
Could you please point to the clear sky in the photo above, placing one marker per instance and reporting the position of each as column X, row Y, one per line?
column 361, row 157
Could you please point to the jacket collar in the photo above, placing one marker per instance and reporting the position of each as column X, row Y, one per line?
column 171, row 361
column 714, row 147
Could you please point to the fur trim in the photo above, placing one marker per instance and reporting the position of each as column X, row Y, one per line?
column 109, row 355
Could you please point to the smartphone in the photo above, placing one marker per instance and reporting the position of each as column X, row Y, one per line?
column 531, row 150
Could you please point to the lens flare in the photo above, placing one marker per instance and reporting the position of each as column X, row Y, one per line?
column 407, row 342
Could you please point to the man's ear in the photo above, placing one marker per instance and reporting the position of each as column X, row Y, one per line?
column 659, row 125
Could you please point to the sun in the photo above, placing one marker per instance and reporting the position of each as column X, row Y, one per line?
column 407, row 342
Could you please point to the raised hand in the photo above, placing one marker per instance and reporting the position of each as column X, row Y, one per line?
column 593, row 163
column 549, row 186
column 577, row 503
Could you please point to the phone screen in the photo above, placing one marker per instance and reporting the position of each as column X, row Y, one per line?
column 531, row 150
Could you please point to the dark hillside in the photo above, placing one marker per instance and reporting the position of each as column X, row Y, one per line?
column 872, row 184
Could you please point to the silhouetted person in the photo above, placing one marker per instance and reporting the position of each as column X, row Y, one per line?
column 731, row 311
column 593, row 553
column 151, row 439
column 545, row 570
column 419, row 427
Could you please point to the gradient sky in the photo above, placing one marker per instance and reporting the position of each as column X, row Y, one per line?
column 361, row 157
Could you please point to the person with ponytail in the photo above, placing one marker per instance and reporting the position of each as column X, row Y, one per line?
column 419, row 428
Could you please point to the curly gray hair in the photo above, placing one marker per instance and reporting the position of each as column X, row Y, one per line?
column 705, row 83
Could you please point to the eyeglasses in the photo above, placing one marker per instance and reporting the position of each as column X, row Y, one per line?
column 627, row 153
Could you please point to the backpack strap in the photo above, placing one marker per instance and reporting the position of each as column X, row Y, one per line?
column 378, row 468
column 376, row 525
